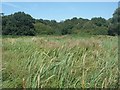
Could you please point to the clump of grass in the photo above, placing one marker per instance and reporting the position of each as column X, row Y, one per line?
column 60, row 62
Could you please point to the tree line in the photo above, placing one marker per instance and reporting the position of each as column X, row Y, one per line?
column 21, row 23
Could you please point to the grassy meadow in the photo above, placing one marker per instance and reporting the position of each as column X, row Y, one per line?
column 60, row 62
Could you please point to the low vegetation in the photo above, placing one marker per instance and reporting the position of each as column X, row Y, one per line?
column 60, row 62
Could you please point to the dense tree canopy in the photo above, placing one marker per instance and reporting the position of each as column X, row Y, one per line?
column 114, row 28
column 41, row 28
column 23, row 24
column 18, row 24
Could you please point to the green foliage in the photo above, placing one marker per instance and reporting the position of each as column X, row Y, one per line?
column 114, row 28
column 23, row 24
column 18, row 24
column 41, row 28
column 47, row 27
column 89, row 27
column 99, row 21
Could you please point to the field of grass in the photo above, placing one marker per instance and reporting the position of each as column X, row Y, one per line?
column 60, row 62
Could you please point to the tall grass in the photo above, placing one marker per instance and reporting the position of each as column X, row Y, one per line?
column 60, row 62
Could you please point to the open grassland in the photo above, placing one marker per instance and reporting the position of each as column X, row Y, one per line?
column 60, row 62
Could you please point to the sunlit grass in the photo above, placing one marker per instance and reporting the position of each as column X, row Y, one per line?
column 60, row 61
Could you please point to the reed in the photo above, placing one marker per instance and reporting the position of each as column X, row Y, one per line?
column 60, row 62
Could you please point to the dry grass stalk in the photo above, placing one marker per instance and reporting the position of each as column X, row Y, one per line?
column 38, row 80
column 24, row 84
column 83, row 72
